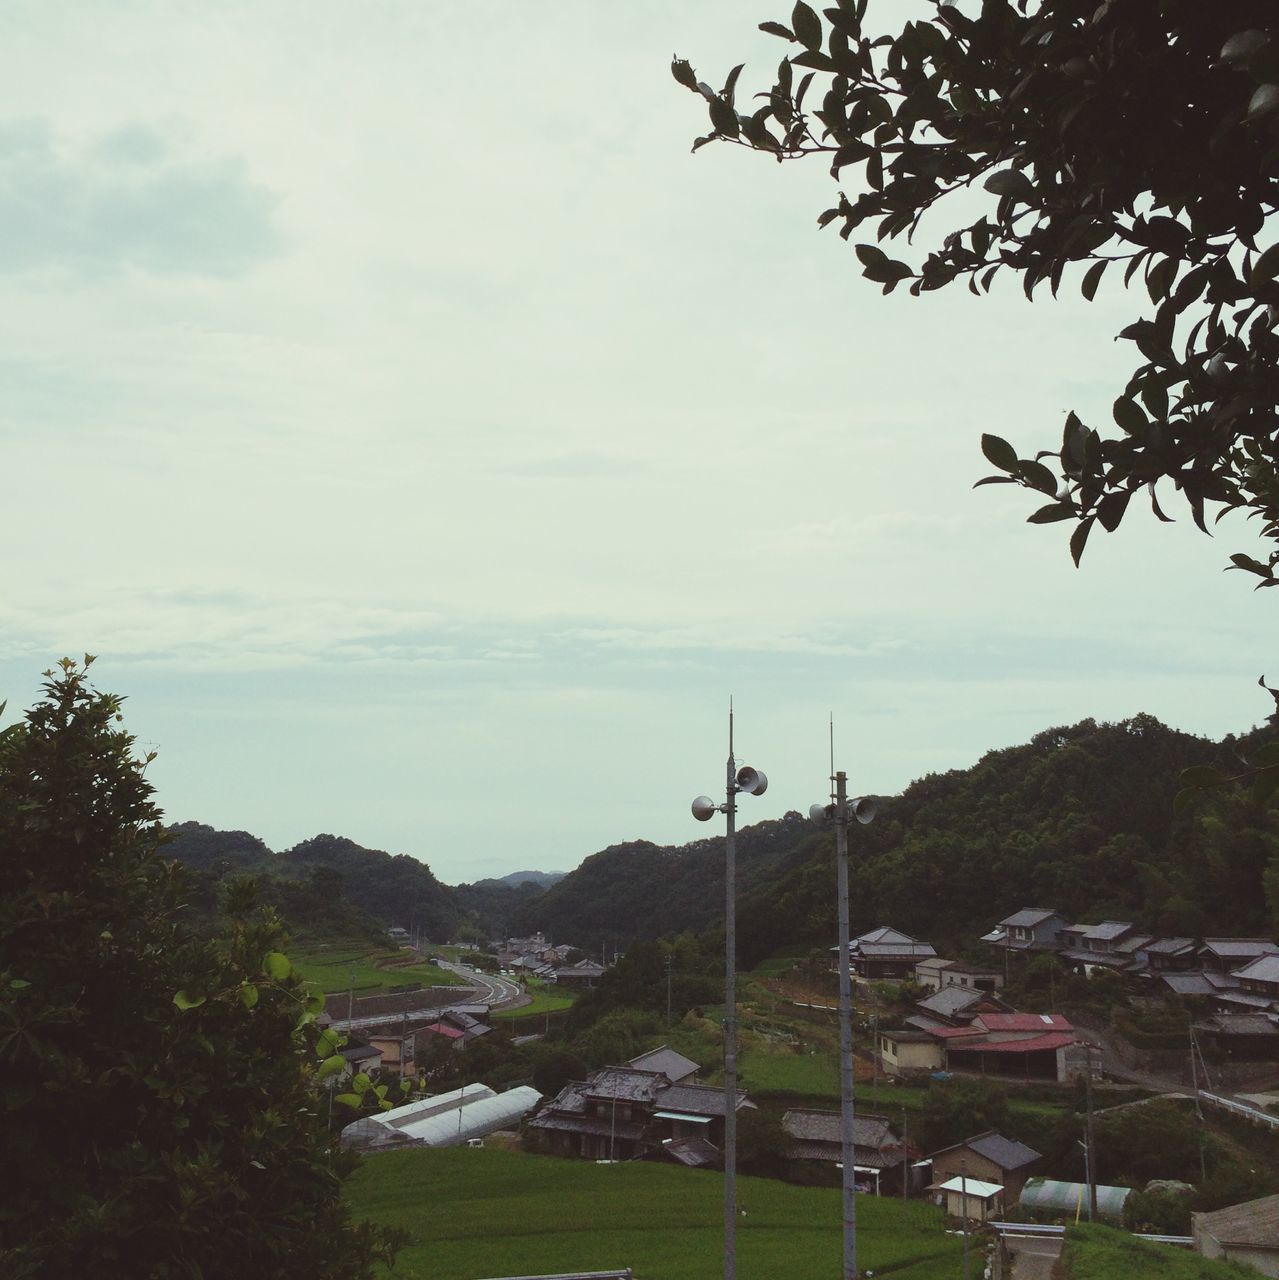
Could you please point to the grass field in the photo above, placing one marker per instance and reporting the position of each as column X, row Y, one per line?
column 1102, row 1253
column 329, row 969
column 472, row 1213
column 545, row 1000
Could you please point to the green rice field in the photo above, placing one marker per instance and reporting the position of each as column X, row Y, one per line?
column 330, row 969
column 476, row 1213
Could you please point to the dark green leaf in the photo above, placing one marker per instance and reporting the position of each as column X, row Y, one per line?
column 807, row 26
column 1037, row 476
column 776, row 29
column 1092, row 278
column 684, row 73
column 999, row 452
column 1203, row 775
column 1079, row 539
column 1129, row 417
column 1053, row 512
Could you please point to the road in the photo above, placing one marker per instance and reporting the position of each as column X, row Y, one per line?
column 494, row 991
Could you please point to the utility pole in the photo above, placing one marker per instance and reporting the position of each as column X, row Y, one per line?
column 841, row 811
column 905, row 1165
column 963, row 1208
column 1092, row 1161
column 669, row 958
column 753, row 782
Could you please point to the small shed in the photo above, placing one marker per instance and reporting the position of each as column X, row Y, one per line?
column 971, row 1198
column 1247, row 1233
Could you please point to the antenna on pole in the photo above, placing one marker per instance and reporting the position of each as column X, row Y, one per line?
column 730, row 726
column 832, row 757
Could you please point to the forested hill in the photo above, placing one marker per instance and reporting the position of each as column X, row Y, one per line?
column 1080, row 819
column 643, row 890
column 392, row 889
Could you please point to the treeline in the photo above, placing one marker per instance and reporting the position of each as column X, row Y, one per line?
column 341, row 887
column 1080, row 818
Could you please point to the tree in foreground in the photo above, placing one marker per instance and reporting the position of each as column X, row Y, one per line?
column 160, row 1108
column 1106, row 136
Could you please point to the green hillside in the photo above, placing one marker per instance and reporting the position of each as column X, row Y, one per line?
column 1080, row 818
column 486, row 1212
column 1103, row 1253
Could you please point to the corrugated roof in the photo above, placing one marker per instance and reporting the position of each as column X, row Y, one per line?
column 697, row 1153
column 1033, row 1044
column 971, row 1187
column 1255, row 1222
column 1024, row 1022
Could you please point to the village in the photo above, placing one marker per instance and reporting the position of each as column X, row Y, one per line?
column 925, row 1021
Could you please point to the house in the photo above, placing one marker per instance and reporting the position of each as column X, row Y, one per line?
column 1033, row 1046
column 1260, row 977
column 885, row 953
column 1109, row 945
column 580, row 976
column 928, row 972
column 970, row 1198
column 1253, row 1036
column 674, row 1066
column 397, row 1050
column 935, row 973
column 358, row 1057
column 909, row 1051
column 1030, row 929
column 991, row 1157
column 456, row 1026
column 1225, row 955
column 1169, row 955
column 955, row 1006
column 878, row 1154
column 1247, row 1233
column 624, row 1113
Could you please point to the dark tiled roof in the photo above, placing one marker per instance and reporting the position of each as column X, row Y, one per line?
column 624, row 1084
column 869, row 1131
column 1028, row 917
column 1169, row 946
column 884, row 934
column 1262, row 969
column 599, row 1126
column 674, row 1066
column 1240, row 1024
column 1004, row 1152
column 951, row 1001
column 695, row 1099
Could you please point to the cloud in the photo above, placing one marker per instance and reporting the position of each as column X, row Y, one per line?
column 127, row 200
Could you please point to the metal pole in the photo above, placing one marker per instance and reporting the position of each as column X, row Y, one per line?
column 1092, row 1170
column 847, row 1144
column 730, row 1017
column 905, row 1164
column 963, row 1210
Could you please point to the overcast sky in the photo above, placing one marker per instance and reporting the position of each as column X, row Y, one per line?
column 428, row 444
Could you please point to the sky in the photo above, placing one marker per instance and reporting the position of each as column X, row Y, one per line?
column 429, row 445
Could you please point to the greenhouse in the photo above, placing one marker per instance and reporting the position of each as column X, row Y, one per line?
column 446, row 1120
column 1072, row 1198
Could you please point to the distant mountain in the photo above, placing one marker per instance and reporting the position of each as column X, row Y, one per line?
column 543, row 879
column 392, row 889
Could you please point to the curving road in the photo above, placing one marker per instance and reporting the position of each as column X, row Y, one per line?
column 496, row 992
